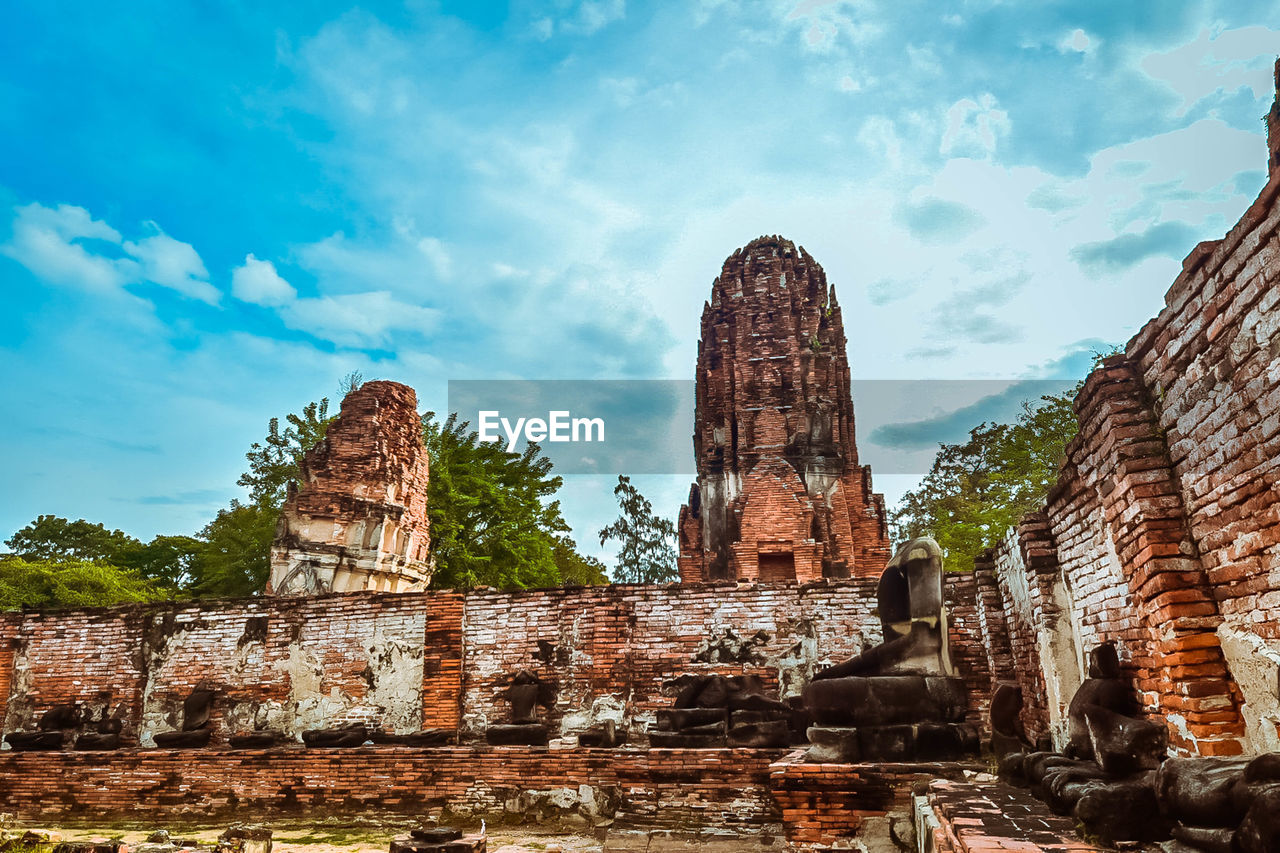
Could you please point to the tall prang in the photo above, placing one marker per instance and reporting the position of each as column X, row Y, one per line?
column 780, row 495
column 359, row 519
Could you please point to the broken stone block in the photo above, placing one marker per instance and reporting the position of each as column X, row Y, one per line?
column 435, row 834
column 885, row 700
column 245, row 839
column 98, row 741
column 1199, row 791
column 426, row 737
column 256, row 740
column 768, row 734
column 677, row 719
column 604, row 736
column 1206, row 840
column 945, row 741
column 833, row 745
column 524, row 734
column 34, row 741
column 1259, row 832
column 197, row 739
column 680, row 740
column 446, row 841
column 88, row 847
column 1124, row 811
column 340, row 737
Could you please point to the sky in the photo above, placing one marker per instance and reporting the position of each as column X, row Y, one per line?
column 211, row 213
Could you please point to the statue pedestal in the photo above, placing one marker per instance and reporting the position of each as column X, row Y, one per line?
column 889, row 718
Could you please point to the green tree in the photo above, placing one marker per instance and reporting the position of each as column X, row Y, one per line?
column 276, row 461
column 493, row 522
column 976, row 490
column 53, row 538
column 166, row 560
column 648, row 554
column 69, row 583
column 234, row 557
column 576, row 569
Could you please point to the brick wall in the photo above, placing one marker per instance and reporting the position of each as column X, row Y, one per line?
column 826, row 804
column 90, row 657
column 407, row 661
column 1163, row 532
column 660, row 788
column 619, row 652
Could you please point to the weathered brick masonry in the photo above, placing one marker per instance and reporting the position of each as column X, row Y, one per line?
column 725, row 789
column 780, row 494
column 424, row 660
column 358, row 520
column 1163, row 532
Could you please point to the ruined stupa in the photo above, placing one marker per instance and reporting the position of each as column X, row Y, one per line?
column 780, row 495
column 359, row 519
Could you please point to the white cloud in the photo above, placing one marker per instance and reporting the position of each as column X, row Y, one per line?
column 56, row 243
column 1077, row 41
column 974, row 128
column 173, row 264
column 1228, row 61
column 258, row 282
column 47, row 241
column 358, row 319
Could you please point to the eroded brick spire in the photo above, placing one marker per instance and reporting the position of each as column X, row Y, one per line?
column 780, row 494
column 359, row 520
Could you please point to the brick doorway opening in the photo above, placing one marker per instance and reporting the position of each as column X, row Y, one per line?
column 777, row 567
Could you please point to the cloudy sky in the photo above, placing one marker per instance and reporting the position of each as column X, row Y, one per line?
column 209, row 213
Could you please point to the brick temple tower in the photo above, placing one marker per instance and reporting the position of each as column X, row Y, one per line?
column 358, row 521
column 780, row 495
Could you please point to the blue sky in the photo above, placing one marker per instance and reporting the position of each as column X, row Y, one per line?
column 210, row 213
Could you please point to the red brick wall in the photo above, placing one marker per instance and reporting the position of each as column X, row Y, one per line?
column 440, row 660
column 442, row 678
column 90, row 657
column 822, row 804
column 659, row 788
column 9, row 623
column 618, row 651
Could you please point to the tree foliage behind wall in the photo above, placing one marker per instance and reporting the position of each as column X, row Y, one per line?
column 494, row 521
column 648, row 553
column 69, row 583
column 978, row 489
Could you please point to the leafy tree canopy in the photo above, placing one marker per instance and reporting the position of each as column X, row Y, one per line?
column 976, row 490
column 234, row 558
column 493, row 522
column 68, row 583
column 166, row 560
column 648, row 554
column 276, row 461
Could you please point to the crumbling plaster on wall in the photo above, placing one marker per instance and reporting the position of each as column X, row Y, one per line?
column 1255, row 665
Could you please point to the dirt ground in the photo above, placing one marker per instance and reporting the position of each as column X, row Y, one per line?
column 325, row 838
